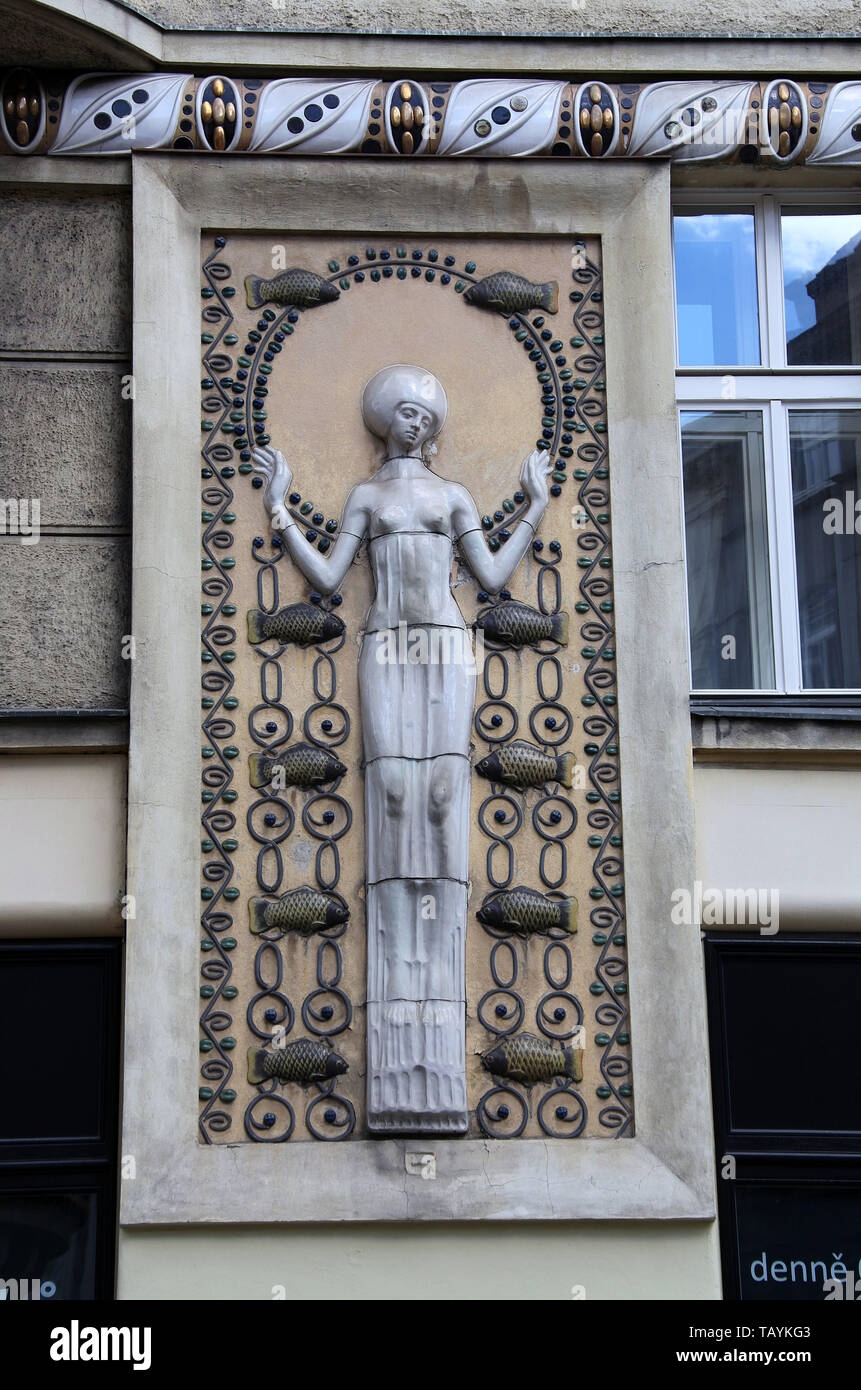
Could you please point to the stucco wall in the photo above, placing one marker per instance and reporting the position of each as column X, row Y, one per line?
column 514, row 1263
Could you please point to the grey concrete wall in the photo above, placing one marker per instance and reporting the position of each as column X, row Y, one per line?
column 444, row 18
column 65, row 441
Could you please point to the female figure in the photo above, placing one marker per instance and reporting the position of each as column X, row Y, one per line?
column 417, row 692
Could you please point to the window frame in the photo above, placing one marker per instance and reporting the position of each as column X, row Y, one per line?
column 773, row 388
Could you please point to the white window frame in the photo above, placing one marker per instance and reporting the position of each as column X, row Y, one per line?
column 774, row 387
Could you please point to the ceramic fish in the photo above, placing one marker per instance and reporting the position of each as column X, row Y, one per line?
column 528, row 1059
column 518, row 625
column 522, row 764
column 509, row 293
column 303, row 1061
column 303, row 766
column 300, row 288
column 526, row 912
column 306, row 910
column 302, row 623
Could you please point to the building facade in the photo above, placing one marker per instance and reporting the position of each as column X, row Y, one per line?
column 691, row 190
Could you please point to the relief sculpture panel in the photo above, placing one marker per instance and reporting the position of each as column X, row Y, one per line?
column 412, row 879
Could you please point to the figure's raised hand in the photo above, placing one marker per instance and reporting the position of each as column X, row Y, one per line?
column 533, row 477
column 272, row 464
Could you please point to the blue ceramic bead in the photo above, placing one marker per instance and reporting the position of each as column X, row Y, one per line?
column 268, row 1119
column 500, row 1011
column 505, row 593
column 271, row 727
column 295, row 498
column 271, row 1015
column 335, row 600
column 329, row 1116
column 499, row 816
column 269, row 818
column 258, row 541
column 328, row 817
column 555, row 817
column 503, row 1112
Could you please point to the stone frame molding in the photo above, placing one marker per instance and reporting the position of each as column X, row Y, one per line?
column 666, row 1170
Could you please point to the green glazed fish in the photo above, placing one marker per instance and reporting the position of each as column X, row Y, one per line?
column 528, row 1059
column 526, row 912
column 302, row 623
column 306, row 910
column 302, row 1061
column 303, row 766
column 518, row 625
column 504, row 291
column 300, row 288
column 522, row 764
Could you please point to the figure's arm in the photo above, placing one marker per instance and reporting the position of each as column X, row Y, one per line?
column 494, row 569
column 324, row 572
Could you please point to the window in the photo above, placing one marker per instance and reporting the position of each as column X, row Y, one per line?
column 768, row 316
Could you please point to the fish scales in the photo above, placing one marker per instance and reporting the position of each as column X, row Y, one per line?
column 303, row 289
column 301, row 623
column 519, row 625
column 507, row 292
column 303, row 765
column 522, row 764
column 303, row 1061
column 527, row 912
column 529, row 1059
column 306, row 910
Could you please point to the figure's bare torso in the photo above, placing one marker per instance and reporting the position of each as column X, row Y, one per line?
column 409, row 530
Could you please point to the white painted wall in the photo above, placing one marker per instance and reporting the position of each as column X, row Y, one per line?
column 794, row 829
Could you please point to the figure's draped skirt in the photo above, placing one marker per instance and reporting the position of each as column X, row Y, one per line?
column 416, row 721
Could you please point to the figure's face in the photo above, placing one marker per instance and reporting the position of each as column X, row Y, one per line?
column 411, row 426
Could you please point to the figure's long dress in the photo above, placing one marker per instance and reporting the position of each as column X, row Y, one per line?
column 416, row 721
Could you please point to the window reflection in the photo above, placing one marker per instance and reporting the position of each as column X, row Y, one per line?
column 716, row 296
column 822, row 288
column 825, row 448
column 727, row 551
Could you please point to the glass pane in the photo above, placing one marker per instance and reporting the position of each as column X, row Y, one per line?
column 825, row 448
column 822, row 288
column 716, row 303
column 49, row 1236
column 729, row 595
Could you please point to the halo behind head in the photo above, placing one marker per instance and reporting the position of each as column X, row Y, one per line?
column 389, row 387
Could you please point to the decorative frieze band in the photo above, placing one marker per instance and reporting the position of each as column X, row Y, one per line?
column 781, row 121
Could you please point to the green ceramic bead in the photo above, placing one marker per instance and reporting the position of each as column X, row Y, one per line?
column 206, row 337
column 601, row 427
column 602, row 1039
column 460, row 286
column 559, row 477
column 604, row 1092
column 229, row 795
column 207, row 845
column 617, row 890
column 584, row 562
column 228, row 943
column 231, row 894
column 402, row 272
column 596, row 893
column 231, row 751
column 206, row 944
column 623, row 1039
column 228, row 657
column 594, row 840
column 228, row 564
column 576, row 342
column 543, row 376
column 230, row 339
column 206, row 991
column 206, row 1093
column 206, row 609
column 401, row 251
column 344, row 283
column 228, row 1044
column 521, row 334
column 615, row 840
column 206, row 657
column 599, row 938
column 207, row 795
column 614, row 796
column 581, row 607
column 508, row 505
column 588, row 700
column 207, row 752
column 493, row 543
column 230, row 845
column 596, row 988
column 306, row 507
column 620, row 989
column 609, row 699
column 229, row 992
column 565, row 374
column 228, row 1096
column 207, row 424
column 244, row 361
column 602, row 472
column 620, row 939
column 375, row 275
column 588, row 651
column 246, row 468
column 206, row 1044
column 592, row 797
column 334, row 267
column 604, row 518
column 207, row 702
column 229, row 609
column 206, row 894
column 626, row 1090
column 580, row 474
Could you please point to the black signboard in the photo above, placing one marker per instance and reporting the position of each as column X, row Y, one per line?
column 783, row 1025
